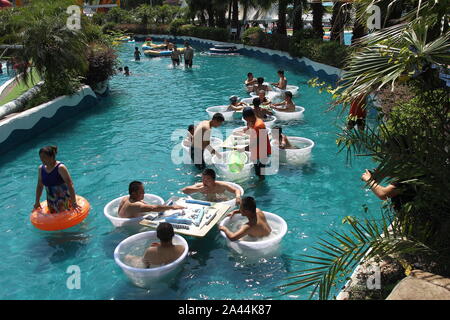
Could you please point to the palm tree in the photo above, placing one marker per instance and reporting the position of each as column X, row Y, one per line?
column 297, row 15
column 412, row 147
column 281, row 25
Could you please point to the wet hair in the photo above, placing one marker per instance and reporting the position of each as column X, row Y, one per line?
column 191, row 127
column 126, row 68
column 248, row 112
column 249, row 203
column 249, row 74
column 136, row 48
column 218, row 117
column 120, row 68
column 134, row 186
column 260, row 80
column 288, row 94
column 281, row 72
column 209, row 172
column 165, row 232
column 256, row 102
column 50, row 151
column 280, row 130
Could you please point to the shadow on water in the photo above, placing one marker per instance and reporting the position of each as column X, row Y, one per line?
column 112, row 239
column 58, row 246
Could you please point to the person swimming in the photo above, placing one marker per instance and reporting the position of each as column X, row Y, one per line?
column 212, row 188
column 158, row 254
column 281, row 139
column 288, row 103
column 257, row 225
column 235, row 105
column 126, row 71
column 133, row 206
column 137, row 54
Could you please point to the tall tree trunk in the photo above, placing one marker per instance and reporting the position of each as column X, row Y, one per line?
column 297, row 17
column 221, row 19
column 235, row 18
column 317, row 9
column 230, row 8
column 281, row 25
column 359, row 30
column 210, row 11
column 202, row 18
column 337, row 22
column 244, row 18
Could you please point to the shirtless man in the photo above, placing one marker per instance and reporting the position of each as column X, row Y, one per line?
column 202, row 137
column 158, row 253
column 259, row 112
column 235, row 105
column 282, row 83
column 256, row 226
column 260, row 86
column 288, row 103
column 211, row 187
column 281, row 139
column 250, row 82
column 133, row 206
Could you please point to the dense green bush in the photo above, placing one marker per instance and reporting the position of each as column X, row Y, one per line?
column 102, row 63
column 327, row 52
column 251, row 36
column 175, row 26
column 218, row 34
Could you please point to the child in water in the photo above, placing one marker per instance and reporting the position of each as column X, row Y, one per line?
column 137, row 54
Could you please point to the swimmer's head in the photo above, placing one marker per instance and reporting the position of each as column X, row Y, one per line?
column 120, row 69
column 234, row 99
column 260, row 80
column 256, row 102
column 217, row 120
column 136, row 190
column 288, row 95
column 276, row 129
column 261, row 94
column 48, row 154
column 191, row 128
column 165, row 232
column 136, row 48
column 248, row 207
column 249, row 115
column 281, row 72
column 250, row 75
column 208, row 177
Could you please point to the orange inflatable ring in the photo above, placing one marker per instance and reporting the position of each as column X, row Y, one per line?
column 326, row 37
column 44, row 220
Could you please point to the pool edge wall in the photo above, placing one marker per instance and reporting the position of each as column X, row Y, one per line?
column 322, row 71
column 21, row 127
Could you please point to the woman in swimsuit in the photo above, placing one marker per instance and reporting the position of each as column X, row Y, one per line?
column 55, row 177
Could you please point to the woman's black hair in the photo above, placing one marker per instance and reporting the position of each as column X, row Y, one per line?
column 50, row 151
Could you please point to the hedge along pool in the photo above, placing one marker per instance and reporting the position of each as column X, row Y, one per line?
column 128, row 137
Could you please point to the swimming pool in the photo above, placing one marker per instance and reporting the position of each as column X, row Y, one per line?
column 127, row 137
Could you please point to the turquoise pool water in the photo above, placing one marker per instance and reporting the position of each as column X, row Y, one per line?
column 127, row 137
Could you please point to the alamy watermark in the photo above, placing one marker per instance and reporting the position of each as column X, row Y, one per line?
column 74, row 21
column 74, row 280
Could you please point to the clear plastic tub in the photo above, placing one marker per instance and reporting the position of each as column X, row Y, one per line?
column 287, row 116
column 215, row 143
column 136, row 245
column 228, row 115
column 231, row 202
column 251, row 246
column 294, row 156
column 111, row 211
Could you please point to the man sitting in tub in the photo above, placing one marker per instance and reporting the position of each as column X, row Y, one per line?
column 212, row 188
column 235, row 105
column 256, row 226
column 133, row 206
column 158, row 254
column 281, row 139
column 288, row 103
column 282, row 83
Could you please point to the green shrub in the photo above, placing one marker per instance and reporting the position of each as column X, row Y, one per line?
column 252, row 36
column 175, row 26
column 327, row 52
column 102, row 63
